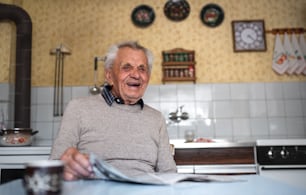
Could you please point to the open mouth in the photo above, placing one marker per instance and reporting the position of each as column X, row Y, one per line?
column 133, row 84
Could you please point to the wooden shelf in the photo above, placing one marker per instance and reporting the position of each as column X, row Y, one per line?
column 178, row 65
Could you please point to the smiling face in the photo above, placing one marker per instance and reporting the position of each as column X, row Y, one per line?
column 129, row 75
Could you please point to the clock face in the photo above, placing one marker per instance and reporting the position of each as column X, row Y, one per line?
column 249, row 36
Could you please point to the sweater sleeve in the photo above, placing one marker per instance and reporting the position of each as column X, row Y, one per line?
column 68, row 134
column 165, row 160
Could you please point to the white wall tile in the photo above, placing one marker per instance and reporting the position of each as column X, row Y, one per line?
column 241, row 127
column 295, row 127
column 34, row 95
column 205, row 128
column 302, row 89
column 4, row 89
column 257, row 91
column 79, row 92
column 44, row 113
column 45, row 130
column 34, row 112
column 173, row 131
column 221, row 92
column 152, row 94
column 188, row 107
column 258, row 108
column 259, row 127
column 293, row 108
column 203, row 92
column 240, row 108
column 45, row 95
column 167, row 107
column 274, row 91
column 239, row 91
column 278, row 127
column 304, row 106
column 291, row 90
column 224, row 128
column 168, row 92
column 185, row 92
column 222, row 109
column 204, row 110
column 67, row 94
column 276, row 108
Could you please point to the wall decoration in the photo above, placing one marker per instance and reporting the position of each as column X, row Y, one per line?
column 249, row 35
column 212, row 15
column 178, row 65
column 177, row 10
column 143, row 16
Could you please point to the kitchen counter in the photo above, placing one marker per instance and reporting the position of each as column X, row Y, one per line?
column 216, row 143
column 252, row 185
column 25, row 150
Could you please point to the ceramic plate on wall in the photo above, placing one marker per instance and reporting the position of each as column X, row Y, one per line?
column 212, row 15
column 177, row 10
column 143, row 16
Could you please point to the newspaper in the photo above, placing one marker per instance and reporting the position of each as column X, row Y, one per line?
column 103, row 170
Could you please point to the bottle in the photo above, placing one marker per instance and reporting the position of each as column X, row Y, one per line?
column 191, row 71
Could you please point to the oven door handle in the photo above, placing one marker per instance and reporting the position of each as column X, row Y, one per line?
column 283, row 167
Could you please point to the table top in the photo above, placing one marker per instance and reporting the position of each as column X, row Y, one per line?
column 252, row 184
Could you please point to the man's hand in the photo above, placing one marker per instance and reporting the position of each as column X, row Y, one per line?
column 77, row 165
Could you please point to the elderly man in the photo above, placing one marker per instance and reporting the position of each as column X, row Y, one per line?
column 116, row 125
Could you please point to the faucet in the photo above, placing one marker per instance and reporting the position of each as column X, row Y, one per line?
column 178, row 115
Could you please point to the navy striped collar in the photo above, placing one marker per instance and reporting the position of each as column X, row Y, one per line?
column 110, row 98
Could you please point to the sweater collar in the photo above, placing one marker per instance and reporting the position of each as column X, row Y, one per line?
column 110, row 98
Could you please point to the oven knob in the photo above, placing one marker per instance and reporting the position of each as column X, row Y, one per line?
column 284, row 153
column 271, row 153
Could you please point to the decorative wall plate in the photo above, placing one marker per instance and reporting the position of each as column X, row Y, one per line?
column 249, row 35
column 177, row 10
column 212, row 15
column 143, row 16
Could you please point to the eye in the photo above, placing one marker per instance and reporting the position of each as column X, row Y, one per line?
column 142, row 68
column 126, row 67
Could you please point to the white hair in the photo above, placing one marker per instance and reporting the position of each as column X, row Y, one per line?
column 113, row 51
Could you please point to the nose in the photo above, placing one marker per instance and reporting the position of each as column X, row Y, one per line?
column 135, row 73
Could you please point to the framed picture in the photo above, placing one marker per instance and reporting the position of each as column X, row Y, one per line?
column 249, row 35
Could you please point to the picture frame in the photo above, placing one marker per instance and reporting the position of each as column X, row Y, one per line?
column 249, row 35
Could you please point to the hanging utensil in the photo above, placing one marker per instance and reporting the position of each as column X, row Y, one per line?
column 95, row 89
column 58, row 96
column 56, row 82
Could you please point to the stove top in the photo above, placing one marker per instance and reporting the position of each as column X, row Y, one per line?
column 281, row 151
column 281, row 142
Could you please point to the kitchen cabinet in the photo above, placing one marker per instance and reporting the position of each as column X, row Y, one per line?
column 178, row 65
column 14, row 159
column 232, row 159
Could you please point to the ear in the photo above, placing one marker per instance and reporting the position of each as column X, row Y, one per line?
column 109, row 77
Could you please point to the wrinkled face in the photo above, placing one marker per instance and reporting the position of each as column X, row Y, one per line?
column 129, row 75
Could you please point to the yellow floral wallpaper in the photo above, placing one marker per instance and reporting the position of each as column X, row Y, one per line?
column 89, row 27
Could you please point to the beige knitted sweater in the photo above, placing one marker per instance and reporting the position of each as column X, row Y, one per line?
column 132, row 139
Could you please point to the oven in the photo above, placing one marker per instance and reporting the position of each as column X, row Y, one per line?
column 13, row 160
column 283, row 160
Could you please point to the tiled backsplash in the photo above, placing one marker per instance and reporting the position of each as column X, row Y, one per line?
column 233, row 111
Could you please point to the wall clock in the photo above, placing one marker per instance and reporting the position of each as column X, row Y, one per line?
column 249, row 35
